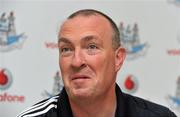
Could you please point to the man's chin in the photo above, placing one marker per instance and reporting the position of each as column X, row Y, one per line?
column 81, row 93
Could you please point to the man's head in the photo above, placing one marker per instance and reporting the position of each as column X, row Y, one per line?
column 90, row 54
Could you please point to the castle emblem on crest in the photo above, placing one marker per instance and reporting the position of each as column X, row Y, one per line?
column 57, row 86
column 174, row 101
column 131, row 41
column 9, row 39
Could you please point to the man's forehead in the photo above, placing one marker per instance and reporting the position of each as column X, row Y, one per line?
column 87, row 27
column 80, row 19
column 81, row 23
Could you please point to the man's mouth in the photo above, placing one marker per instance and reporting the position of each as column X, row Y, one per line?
column 79, row 77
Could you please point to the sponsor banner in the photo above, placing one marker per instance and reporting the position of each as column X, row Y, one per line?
column 30, row 75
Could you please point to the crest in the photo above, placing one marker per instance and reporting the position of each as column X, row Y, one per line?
column 57, row 86
column 131, row 41
column 9, row 39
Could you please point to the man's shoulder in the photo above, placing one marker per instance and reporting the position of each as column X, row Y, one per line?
column 142, row 107
column 42, row 109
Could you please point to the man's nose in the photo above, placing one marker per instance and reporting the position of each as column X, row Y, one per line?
column 78, row 59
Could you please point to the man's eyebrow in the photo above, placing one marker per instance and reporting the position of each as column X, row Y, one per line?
column 90, row 38
column 62, row 39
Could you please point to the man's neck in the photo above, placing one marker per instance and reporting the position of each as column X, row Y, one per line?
column 101, row 107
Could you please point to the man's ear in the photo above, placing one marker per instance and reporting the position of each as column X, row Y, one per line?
column 120, row 55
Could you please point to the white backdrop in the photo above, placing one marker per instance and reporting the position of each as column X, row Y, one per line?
column 154, row 69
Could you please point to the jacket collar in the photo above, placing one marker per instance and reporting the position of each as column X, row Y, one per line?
column 64, row 109
column 63, row 106
column 120, row 110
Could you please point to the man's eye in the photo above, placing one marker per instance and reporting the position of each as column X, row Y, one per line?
column 92, row 46
column 63, row 50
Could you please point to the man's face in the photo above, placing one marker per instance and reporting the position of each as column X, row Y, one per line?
column 87, row 59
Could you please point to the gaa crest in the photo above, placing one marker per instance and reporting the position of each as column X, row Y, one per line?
column 131, row 41
column 9, row 39
column 57, row 86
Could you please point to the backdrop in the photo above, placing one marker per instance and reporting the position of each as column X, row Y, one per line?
column 29, row 71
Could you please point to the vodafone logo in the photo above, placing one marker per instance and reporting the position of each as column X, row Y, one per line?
column 130, row 84
column 51, row 45
column 175, row 51
column 5, row 79
column 5, row 83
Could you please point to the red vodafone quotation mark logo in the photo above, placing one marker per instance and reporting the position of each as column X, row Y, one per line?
column 5, row 79
column 130, row 84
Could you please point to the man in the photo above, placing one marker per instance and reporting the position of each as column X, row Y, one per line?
column 90, row 55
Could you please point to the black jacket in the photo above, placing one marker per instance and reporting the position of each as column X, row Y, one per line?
column 127, row 106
